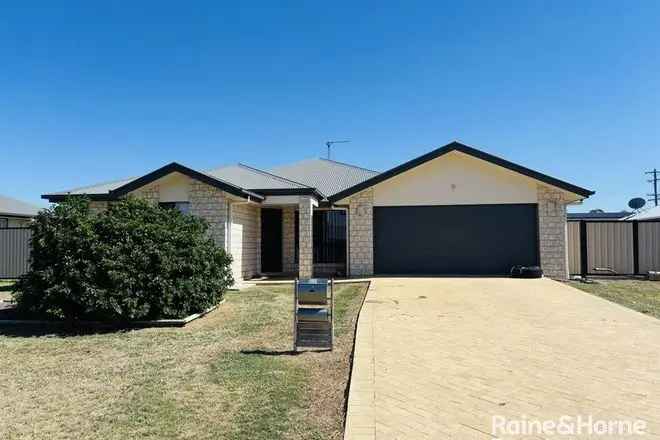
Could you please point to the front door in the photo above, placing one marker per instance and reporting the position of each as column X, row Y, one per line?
column 271, row 240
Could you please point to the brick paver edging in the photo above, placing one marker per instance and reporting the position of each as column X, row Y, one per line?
column 361, row 410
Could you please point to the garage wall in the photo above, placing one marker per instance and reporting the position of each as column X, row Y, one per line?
column 455, row 179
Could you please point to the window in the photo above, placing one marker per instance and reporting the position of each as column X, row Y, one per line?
column 4, row 223
column 182, row 207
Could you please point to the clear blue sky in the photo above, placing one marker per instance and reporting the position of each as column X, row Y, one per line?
column 96, row 92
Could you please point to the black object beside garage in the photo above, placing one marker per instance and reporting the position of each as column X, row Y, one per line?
column 455, row 239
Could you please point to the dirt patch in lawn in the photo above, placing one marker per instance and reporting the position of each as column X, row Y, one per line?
column 640, row 295
column 229, row 375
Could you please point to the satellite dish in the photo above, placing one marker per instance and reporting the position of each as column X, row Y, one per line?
column 637, row 203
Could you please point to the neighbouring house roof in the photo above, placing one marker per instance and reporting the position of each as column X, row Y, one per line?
column 598, row 215
column 648, row 214
column 16, row 208
column 328, row 176
column 457, row 146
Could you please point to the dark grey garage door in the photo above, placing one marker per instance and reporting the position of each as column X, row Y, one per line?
column 454, row 240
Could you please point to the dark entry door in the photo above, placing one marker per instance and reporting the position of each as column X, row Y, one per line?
column 454, row 240
column 271, row 240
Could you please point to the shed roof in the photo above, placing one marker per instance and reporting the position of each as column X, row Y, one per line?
column 648, row 214
column 17, row 208
column 598, row 215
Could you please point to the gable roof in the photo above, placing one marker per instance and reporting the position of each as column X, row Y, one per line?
column 328, row 176
column 457, row 146
column 115, row 189
column 193, row 174
column 316, row 177
column 17, row 208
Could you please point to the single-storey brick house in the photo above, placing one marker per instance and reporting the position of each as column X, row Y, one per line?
column 456, row 210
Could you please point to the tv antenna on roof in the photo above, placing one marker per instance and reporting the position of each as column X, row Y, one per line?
column 329, row 144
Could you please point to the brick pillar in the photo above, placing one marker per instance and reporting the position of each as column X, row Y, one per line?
column 305, row 239
column 289, row 239
column 360, row 238
column 552, row 232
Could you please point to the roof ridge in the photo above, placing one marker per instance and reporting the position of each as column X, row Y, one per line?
column 349, row 165
column 284, row 179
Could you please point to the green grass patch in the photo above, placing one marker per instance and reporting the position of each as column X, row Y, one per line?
column 643, row 296
column 270, row 391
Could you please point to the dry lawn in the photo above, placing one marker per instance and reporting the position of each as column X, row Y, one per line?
column 229, row 375
column 643, row 296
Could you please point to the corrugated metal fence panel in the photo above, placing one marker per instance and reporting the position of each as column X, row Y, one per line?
column 649, row 246
column 610, row 245
column 14, row 252
column 573, row 238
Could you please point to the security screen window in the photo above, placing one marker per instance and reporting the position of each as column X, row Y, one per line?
column 183, row 207
column 4, row 223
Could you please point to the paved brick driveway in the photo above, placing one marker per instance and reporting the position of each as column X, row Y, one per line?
column 437, row 358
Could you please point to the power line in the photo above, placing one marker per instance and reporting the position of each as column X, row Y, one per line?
column 654, row 181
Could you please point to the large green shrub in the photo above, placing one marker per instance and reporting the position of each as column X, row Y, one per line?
column 132, row 261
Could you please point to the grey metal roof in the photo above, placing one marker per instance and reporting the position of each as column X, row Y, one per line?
column 99, row 188
column 252, row 178
column 328, row 176
column 13, row 207
column 647, row 214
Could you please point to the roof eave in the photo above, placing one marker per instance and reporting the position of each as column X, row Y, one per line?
column 309, row 191
column 56, row 198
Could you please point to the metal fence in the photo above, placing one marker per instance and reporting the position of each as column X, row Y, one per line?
column 14, row 252
column 597, row 247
